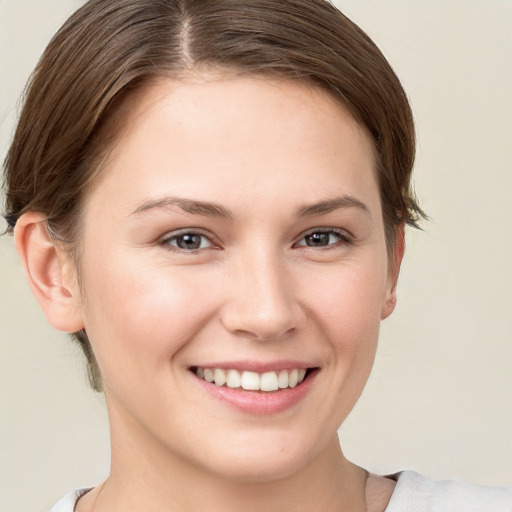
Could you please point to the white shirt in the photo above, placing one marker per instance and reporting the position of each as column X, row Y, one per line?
column 413, row 493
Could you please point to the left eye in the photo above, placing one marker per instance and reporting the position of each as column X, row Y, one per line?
column 322, row 239
column 188, row 241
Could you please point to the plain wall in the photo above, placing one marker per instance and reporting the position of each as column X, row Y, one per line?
column 440, row 397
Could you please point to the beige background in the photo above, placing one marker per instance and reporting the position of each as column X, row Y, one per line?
column 440, row 398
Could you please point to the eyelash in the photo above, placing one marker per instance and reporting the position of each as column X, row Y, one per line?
column 345, row 239
column 166, row 241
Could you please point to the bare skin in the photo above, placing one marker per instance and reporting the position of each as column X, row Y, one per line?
column 274, row 183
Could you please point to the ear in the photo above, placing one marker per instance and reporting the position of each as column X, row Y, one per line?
column 49, row 272
column 395, row 261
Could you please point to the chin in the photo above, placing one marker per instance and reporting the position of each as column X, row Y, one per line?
column 258, row 471
column 264, row 461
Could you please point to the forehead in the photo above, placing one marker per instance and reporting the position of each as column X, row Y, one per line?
column 256, row 136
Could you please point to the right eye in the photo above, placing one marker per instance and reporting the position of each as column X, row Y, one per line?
column 188, row 241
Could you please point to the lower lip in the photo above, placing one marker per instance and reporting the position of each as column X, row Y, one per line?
column 259, row 402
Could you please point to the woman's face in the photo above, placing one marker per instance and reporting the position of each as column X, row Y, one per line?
column 236, row 226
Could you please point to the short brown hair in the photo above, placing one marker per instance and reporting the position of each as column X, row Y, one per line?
column 110, row 48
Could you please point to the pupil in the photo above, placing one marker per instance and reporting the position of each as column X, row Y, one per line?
column 189, row 241
column 317, row 239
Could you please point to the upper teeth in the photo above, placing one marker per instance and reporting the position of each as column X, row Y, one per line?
column 268, row 381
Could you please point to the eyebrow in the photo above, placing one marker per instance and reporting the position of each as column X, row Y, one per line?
column 324, row 207
column 210, row 209
column 188, row 205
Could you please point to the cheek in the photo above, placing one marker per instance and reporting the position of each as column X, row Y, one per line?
column 349, row 301
column 349, row 310
column 345, row 302
column 138, row 316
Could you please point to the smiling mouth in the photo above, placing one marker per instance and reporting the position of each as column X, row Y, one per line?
column 253, row 381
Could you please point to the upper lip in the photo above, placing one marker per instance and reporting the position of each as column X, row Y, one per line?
column 258, row 366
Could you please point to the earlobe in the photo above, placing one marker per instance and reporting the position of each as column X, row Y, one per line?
column 47, row 273
column 393, row 272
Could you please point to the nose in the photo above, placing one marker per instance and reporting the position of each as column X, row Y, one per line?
column 262, row 303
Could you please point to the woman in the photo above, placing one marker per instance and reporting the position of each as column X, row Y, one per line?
column 212, row 198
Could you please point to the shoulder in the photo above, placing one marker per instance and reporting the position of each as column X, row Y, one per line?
column 68, row 502
column 415, row 492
